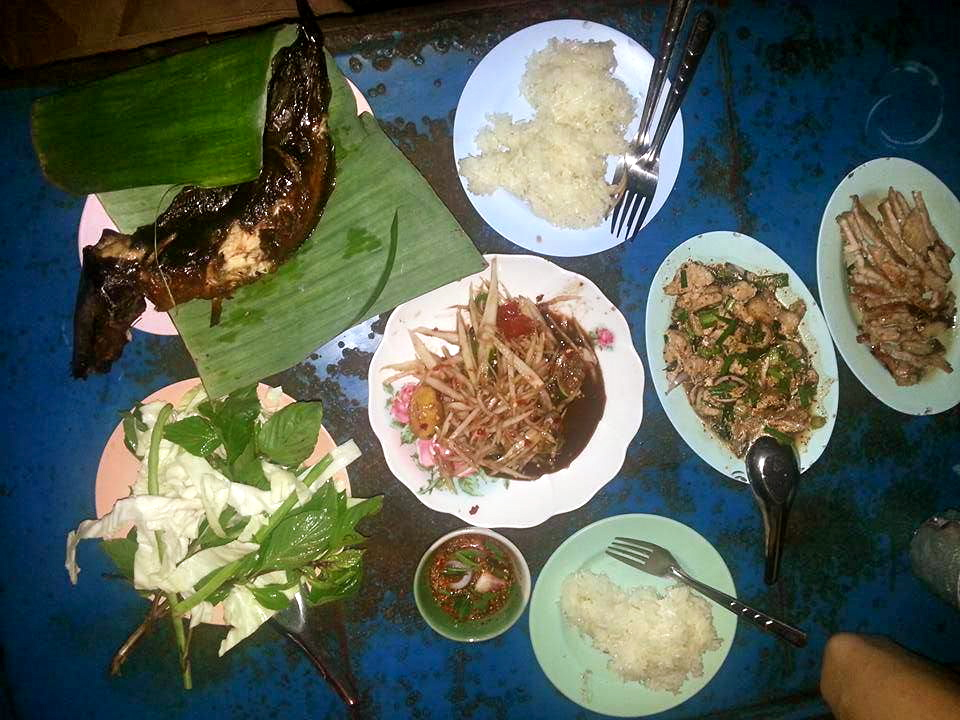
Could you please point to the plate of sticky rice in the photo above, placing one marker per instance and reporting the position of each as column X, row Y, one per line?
column 619, row 641
column 539, row 129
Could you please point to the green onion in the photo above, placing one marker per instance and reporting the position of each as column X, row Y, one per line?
column 817, row 421
column 723, row 388
column 729, row 330
column 792, row 362
column 727, row 362
column 683, row 278
column 462, row 607
column 777, row 280
column 707, row 318
column 780, row 437
column 467, row 557
column 806, row 393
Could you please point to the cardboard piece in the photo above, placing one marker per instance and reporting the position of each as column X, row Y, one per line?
column 44, row 31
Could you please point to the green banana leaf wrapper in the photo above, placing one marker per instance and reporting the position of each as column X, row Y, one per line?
column 193, row 118
column 384, row 238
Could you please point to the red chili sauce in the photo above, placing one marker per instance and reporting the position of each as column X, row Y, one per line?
column 471, row 577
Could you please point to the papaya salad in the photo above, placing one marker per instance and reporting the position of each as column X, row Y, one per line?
column 737, row 352
column 515, row 390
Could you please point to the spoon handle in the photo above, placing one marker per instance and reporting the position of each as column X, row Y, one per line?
column 774, row 535
column 765, row 622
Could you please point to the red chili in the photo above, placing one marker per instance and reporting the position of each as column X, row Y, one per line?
column 512, row 322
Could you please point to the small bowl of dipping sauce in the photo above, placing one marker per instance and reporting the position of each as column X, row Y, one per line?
column 471, row 585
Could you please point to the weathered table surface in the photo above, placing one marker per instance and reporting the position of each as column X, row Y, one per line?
column 775, row 120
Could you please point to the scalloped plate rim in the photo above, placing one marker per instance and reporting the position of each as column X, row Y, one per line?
column 554, row 501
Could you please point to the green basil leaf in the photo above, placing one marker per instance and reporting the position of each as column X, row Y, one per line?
column 246, row 469
column 220, row 594
column 299, row 539
column 235, row 418
column 290, row 434
column 194, row 434
column 122, row 551
column 324, row 498
column 132, row 422
column 270, row 598
column 336, row 578
column 346, row 527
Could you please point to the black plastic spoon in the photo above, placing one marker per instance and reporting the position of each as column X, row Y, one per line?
column 773, row 474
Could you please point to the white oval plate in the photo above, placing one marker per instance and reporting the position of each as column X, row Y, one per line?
column 94, row 220
column 938, row 391
column 743, row 250
column 522, row 504
column 494, row 87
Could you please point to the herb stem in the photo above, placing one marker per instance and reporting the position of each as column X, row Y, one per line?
column 209, row 587
column 153, row 488
column 182, row 646
column 153, row 464
column 153, row 459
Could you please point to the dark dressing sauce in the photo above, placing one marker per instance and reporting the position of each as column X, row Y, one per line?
column 582, row 415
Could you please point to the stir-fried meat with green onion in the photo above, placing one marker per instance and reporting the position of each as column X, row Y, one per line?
column 737, row 352
column 898, row 271
column 520, row 396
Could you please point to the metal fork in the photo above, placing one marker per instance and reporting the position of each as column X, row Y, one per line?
column 642, row 165
column 658, row 561
column 661, row 65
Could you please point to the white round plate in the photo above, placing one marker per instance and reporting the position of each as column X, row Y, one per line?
column 94, row 220
column 937, row 391
column 494, row 87
column 521, row 504
column 569, row 660
column 743, row 250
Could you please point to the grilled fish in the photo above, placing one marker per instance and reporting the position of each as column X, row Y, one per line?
column 211, row 241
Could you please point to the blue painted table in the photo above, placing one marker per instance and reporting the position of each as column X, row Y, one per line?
column 776, row 118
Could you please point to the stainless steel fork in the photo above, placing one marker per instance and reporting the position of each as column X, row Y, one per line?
column 658, row 561
column 661, row 65
column 641, row 166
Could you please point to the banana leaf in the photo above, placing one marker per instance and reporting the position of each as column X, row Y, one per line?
column 193, row 118
column 384, row 237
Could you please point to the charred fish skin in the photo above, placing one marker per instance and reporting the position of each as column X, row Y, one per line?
column 109, row 300
column 211, row 241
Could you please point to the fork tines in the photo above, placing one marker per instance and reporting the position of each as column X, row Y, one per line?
column 625, row 213
column 631, row 548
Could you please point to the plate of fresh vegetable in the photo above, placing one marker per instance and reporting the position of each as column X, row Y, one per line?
column 738, row 348
column 223, row 510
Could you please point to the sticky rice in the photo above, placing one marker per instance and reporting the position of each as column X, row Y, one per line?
column 556, row 161
column 658, row 640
